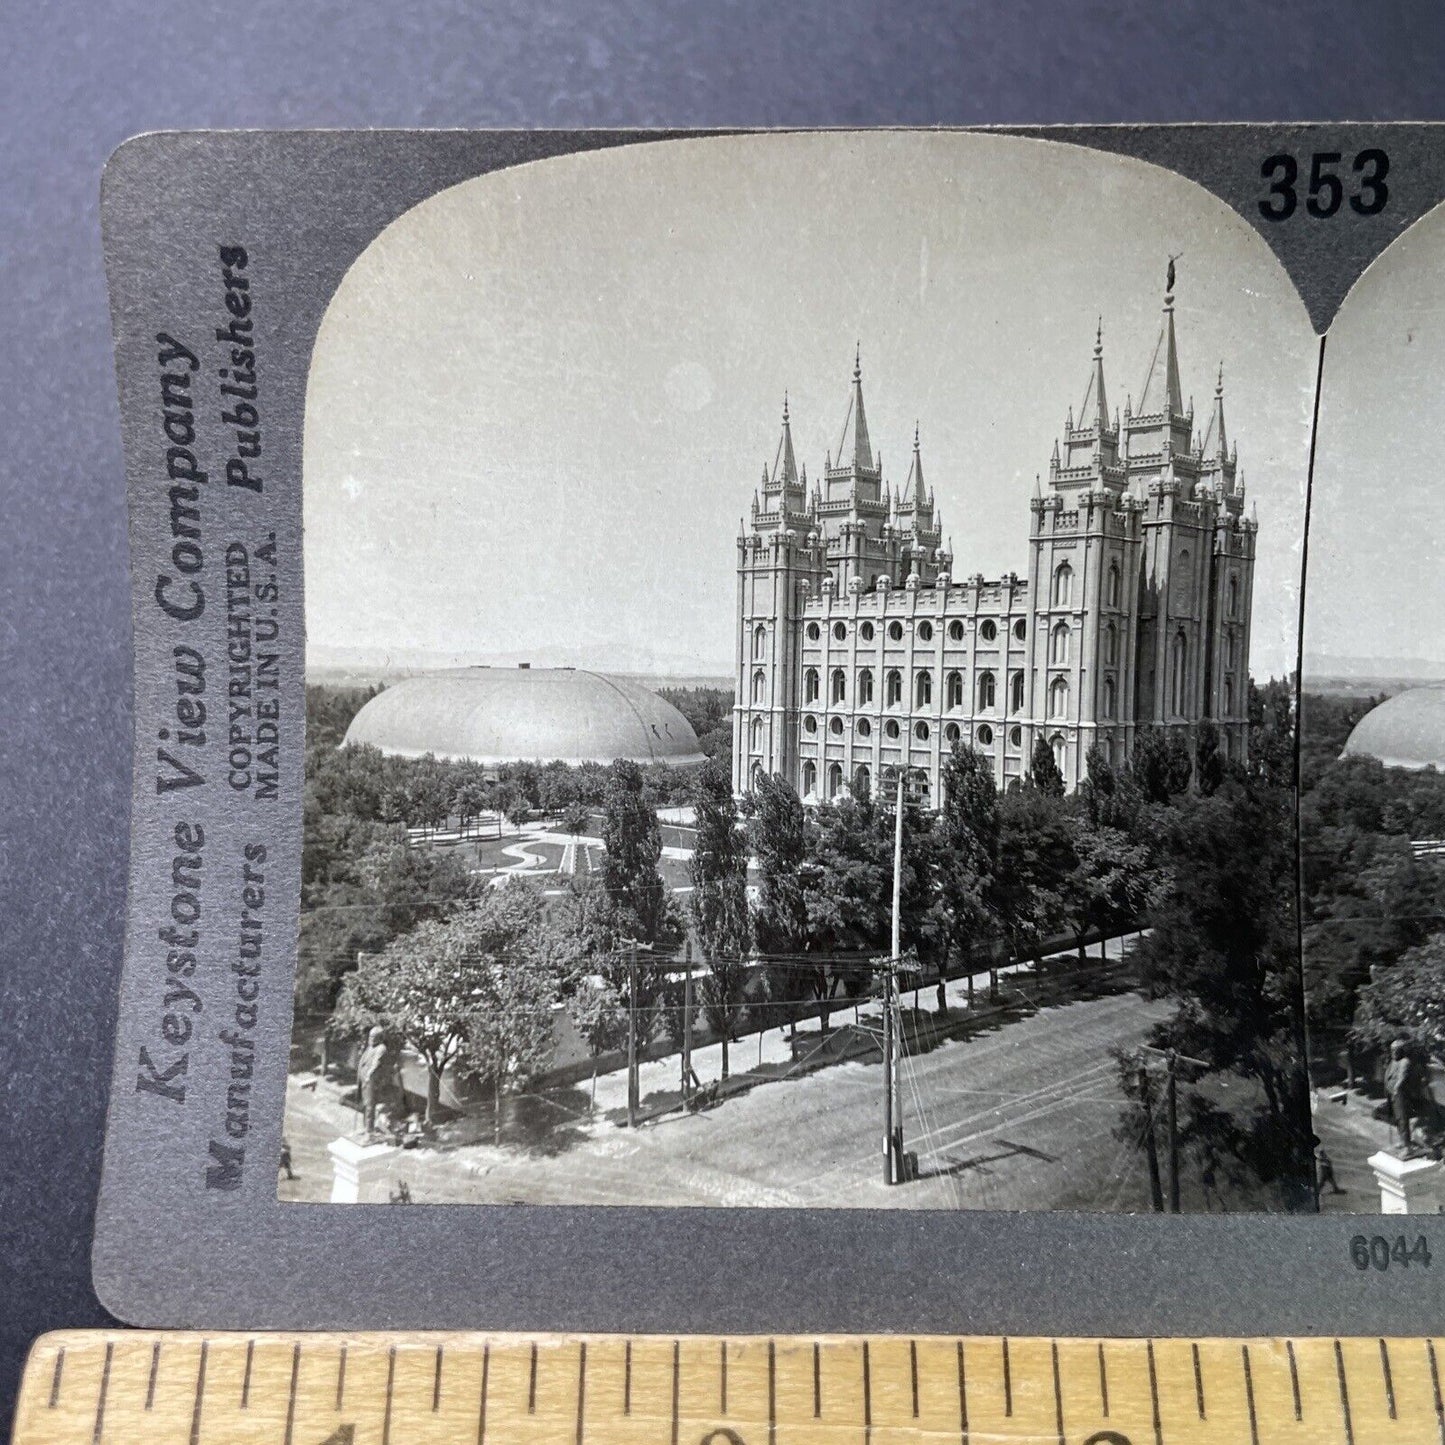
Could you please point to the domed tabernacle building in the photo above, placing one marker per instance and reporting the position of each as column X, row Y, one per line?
column 499, row 715
column 1404, row 731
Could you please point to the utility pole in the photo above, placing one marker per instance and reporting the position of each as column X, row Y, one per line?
column 687, row 1024
column 888, row 1074
column 632, row 1085
column 892, row 1033
column 1172, row 1117
column 1151, row 1147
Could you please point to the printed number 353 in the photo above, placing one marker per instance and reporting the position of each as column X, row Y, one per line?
column 1325, row 190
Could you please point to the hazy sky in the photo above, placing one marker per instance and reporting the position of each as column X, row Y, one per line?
column 1377, row 559
column 541, row 400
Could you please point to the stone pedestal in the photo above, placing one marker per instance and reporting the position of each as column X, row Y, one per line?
column 360, row 1171
column 1408, row 1186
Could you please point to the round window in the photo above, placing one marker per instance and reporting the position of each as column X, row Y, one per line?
column 955, row 631
column 836, row 727
column 840, row 631
column 985, row 736
column 1016, row 737
column 813, row 632
column 865, row 728
column 890, row 728
column 867, row 631
column 989, row 631
column 1021, row 630
column 925, row 632
column 951, row 732
column 920, row 731
column 895, row 631
column 810, row 724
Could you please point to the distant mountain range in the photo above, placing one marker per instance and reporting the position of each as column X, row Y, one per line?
column 1414, row 670
column 356, row 667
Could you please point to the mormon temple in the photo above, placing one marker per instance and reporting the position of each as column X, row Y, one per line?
column 859, row 649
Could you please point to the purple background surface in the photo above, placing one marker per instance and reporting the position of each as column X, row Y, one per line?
column 77, row 79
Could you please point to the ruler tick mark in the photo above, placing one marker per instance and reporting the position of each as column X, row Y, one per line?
column 1154, row 1394
column 291, row 1398
column 581, row 1388
column 1103, row 1381
column 436, row 1384
column 155, row 1367
column 1344, row 1395
column 1389, row 1377
column 817, row 1381
column 676, row 1386
column 482, row 1401
column 627, row 1379
column 1008, row 1384
column 245, row 1378
column 105, row 1390
column 1058, row 1392
column 55, row 1378
column 341, row 1378
column 772, row 1392
column 1435, row 1381
column 913, row 1373
column 390, row 1386
column 867, row 1394
column 1249, row 1395
column 1198, row 1382
column 1294, row 1381
column 962, row 1399
column 200, row 1394
column 532, row 1382
column 723, row 1378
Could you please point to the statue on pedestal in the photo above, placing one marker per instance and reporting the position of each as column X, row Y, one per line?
column 376, row 1078
column 1407, row 1088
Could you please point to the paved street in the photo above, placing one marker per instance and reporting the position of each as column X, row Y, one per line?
column 1019, row 1116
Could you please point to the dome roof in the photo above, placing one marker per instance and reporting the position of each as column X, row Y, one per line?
column 508, row 714
column 1404, row 731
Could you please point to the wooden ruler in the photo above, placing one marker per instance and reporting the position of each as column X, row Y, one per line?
column 182, row 1388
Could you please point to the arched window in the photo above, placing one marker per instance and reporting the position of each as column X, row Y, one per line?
column 862, row 780
column 756, row 734
column 810, row 778
column 984, row 736
column 989, row 630
column 810, row 685
column 1178, row 674
column 921, row 791
column 760, row 685
column 953, row 692
column 894, row 695
column 835, row 779
column 757, row 776
column 865, row 685
column 1058, row 698
column 1016, row 692
column 1111, row 586
column 1183, row 580
column 1056, row 743
column 1059, row 645
column 923, row 689
column 987, row 692
column 1228, row 697
column 1063, row 584
column 838, row 685
column 760, row 641
column 1234, row 596
column 1108, row 697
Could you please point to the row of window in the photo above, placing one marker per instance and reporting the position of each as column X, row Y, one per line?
column 1059, row 638
column 987, row 631
column 922, row 732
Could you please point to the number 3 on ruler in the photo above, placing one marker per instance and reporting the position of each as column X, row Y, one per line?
column 1326, row 191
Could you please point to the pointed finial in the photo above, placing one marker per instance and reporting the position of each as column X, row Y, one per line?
column 785, row 407
column 915, row 436
column 858, row 361
column 1219, row 384
column 1169, row 278
column 1099, row 338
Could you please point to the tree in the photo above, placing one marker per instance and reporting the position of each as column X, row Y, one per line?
column 1406, row 1000
column 968, row 840
column 591, row 966
column 1161, row 764
column 426, row 986
column 1209, row 763
column 1044, row 770
column 1034, row 856
column 633, row 843
column 719, row 901
column 1108, row 885
column 778, row 831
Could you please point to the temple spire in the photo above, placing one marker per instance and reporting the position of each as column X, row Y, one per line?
column 785, row 466
column 855, row 451
column 1161, row 391
column 914, row 490
column 1216, row 443
column 1094, row 413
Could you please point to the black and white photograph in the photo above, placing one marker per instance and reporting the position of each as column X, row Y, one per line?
column 800, row 640
column 1372, row 745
